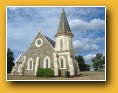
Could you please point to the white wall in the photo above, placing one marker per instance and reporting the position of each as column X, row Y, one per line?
column 66, row 45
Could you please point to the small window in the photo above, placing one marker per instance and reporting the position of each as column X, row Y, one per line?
column 39, row 42
column 62, row 63
column 61, row 44
column 46, row 63
column 69, row 44
column 30, row 64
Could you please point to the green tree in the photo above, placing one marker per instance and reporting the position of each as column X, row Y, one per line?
column 88, row 67
column 10, row 59
column 81, row 63
column 98, row 60
column 103, row 60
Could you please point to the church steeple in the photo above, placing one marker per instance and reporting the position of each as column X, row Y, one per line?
column 63, row 24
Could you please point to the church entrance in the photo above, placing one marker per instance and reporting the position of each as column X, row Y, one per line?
column 59, row 73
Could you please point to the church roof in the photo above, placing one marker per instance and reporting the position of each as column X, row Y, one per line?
column 50, row 41
column 63, row 24
column 20, row 59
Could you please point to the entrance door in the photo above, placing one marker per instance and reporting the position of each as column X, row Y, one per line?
column 60, row 73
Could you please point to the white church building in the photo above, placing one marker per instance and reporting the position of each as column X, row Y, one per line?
column 45, row 53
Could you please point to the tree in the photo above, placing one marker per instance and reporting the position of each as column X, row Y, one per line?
column 10, row 59
column 81, row 63
column 103, row 60
column 99, row 60
column 88, row 67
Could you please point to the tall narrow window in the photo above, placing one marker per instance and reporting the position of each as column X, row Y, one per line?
column 30, row 64
column 46, row 63
column 69, row 44
column 62, row 63
column 61, row 44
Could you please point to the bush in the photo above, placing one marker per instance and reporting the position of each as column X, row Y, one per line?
column 45, row 72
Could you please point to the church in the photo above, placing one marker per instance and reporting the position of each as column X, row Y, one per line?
column 46, row 53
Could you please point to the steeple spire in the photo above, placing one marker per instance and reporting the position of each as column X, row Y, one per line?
column 63, row 24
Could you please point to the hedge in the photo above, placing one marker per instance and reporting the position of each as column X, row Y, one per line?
column 45, row 72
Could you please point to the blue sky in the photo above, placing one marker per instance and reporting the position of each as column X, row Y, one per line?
column 86, row 23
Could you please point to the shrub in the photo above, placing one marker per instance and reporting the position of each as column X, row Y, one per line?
column 45, row 72
column 40, row 72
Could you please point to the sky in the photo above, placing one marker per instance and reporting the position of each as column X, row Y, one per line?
column 86, row 23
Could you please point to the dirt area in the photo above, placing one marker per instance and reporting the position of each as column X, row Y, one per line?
column 93, row 75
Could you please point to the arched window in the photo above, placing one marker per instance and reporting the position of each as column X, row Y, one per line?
column 62, row 63
column 46, row 62
column 61, row 44
column 69, row 44
column 30, row 64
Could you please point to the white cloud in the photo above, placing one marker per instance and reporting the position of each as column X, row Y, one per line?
column 89, row 57
column 87, row 44
column 99, row 40
column 95, row 40
column 81, row 46
column 25, row 22
column 80, row 25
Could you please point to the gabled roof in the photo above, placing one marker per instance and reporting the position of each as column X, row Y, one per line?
column 40, row 35
column 20, row 58
column 50, row 41
column 63, row 24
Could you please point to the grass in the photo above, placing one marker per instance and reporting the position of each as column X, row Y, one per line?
column 90, row 75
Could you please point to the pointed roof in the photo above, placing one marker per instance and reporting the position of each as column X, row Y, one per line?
column 20, row 58
column 44, row 38
column 63, row 24
column 50, row 41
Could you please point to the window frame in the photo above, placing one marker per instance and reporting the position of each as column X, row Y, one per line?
column 61, row 44
column 45, row 62
column 37, row 44
column 30, row 64
column 60, row 62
